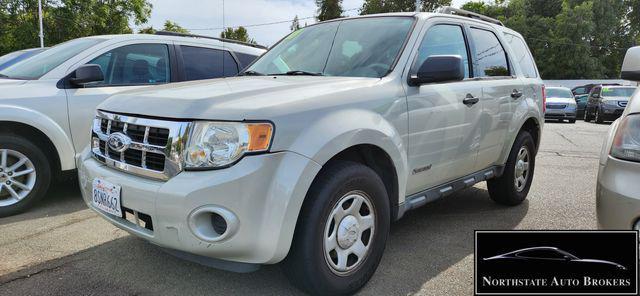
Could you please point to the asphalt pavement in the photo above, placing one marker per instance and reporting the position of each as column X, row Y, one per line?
column 62, row 248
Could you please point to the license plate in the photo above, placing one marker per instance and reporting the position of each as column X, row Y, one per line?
column 106, row 197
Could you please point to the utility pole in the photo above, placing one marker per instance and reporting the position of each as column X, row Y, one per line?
column 418, row 6
column 41, row 29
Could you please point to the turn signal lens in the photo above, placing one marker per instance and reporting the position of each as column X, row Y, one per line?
column 259, row 136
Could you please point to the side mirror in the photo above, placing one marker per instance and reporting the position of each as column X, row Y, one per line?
column 86, row 74
column 631, row 64
column 440, row 68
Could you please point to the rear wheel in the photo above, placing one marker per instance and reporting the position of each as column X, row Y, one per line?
column 25, row 174
column 513, row 186
column 341, row 233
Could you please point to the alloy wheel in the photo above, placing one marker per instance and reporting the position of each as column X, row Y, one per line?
column 17, row 177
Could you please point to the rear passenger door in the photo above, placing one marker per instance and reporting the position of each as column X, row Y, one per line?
column 197, row 63
column 501, row 90
column 441, row 142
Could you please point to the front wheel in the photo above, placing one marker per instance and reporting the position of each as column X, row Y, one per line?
column 587, row 118
column 598, row 116
column 513, row 186
column 341, row 233
column 25, row 174
column 572, row 121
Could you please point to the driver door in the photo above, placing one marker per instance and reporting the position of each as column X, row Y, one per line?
column 125, row 68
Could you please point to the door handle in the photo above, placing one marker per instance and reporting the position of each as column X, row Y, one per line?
column 470, row 100
column 516, row 94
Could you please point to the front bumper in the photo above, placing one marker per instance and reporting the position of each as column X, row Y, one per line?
column 565, row 113
column 263, row 192
column 611, row 113
column 618, row 194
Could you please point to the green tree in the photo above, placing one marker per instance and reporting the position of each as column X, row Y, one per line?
column 329, row 9
column 383, row 6
column 66, row 19
column 239, row 34
column 169, row 26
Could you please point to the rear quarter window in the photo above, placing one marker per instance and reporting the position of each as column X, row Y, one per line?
column 522, row 55
column 245, row 59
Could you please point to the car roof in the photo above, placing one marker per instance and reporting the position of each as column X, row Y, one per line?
column 233, row 46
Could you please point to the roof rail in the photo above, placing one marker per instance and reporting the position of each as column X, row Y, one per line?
column 169, row 33
column 469, row 14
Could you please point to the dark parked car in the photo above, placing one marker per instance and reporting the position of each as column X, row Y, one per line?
column 581, row 102
column 586, row 89
column 606, row 103
column 17, row 56
column 545, row 259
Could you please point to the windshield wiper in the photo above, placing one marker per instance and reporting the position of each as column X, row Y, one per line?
column 251, row 73
column 301, row 73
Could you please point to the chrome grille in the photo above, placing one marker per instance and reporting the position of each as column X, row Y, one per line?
column 155, row 148
column 554, row 106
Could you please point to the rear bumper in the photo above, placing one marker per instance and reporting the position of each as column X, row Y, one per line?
column 618, row 194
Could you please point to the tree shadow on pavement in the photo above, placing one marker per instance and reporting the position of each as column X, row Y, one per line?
column 422, row 245
column 63, row 198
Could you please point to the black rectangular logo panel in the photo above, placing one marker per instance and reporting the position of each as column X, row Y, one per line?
column 556, row 262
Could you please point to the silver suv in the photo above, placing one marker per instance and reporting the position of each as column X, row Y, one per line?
column 334, row 133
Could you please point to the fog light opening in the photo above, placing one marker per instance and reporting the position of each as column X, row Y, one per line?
column 213, row 223
column 219, row 224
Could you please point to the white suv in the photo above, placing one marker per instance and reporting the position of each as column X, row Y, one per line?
column 48, row 101
column 331, row 135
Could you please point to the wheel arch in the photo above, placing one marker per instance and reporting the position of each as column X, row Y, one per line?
column 44, row 129
column 532, row 125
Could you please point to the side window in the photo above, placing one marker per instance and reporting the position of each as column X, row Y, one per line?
column 596, row 91
column 490, row 57
column 443, row 40
column 206, row 63
column 245, row 59
column 542, row 254
column 134, row 65
column 522, row 55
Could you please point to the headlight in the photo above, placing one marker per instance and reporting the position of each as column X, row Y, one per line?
column 626, row 143
column 219, row 144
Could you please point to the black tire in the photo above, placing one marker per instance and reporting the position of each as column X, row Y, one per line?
column 598, row 116
column 572, row 121
column 42, row 169
column 503, row 190
column 587, row 118
column 305, row 265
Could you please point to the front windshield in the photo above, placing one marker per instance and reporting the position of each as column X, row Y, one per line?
column 618, row 91
column 364, row 47
column 559, row 93
column 40, row 64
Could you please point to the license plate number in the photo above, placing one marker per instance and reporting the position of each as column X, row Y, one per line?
column 106, row 197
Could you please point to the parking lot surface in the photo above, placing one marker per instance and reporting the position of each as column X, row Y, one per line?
column 62, row 248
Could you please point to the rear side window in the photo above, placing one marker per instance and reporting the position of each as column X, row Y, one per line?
column 522, row 55
column 490, row 57
column 245, row 59
column 443, row 40
column 206, row 63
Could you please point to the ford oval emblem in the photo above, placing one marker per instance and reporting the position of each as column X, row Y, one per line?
column 118, row 142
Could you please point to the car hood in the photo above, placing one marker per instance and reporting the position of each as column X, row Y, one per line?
column 615, row 99
column 561, row 100
column 4, row 82
column 237, row 98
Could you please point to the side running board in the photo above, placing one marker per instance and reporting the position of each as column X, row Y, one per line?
column 430, row 195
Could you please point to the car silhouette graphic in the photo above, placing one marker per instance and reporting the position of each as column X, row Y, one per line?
column 545, row 259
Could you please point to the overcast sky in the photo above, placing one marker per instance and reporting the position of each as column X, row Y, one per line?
column 205, row 17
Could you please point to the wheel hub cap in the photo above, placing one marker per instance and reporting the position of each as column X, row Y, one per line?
column 348, row 232
column 521, row 174
column 17, row 177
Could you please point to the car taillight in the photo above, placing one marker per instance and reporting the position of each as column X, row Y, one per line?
column 544, row 100
column 626, row 143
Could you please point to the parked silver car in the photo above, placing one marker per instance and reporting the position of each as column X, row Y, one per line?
column 561, row 104
column 618, row 189
column 335, row 132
